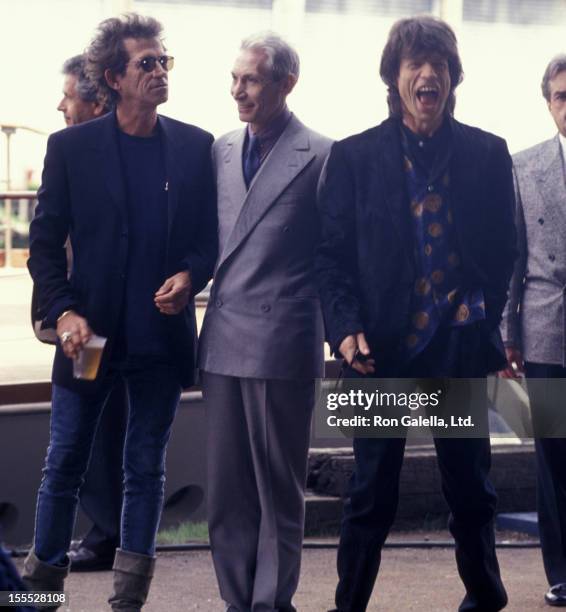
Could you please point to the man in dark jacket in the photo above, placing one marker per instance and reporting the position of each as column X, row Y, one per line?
column 417, row 250
column 135, row 193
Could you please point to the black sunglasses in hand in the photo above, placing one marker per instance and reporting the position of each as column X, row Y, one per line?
column 358, row 356
column 147, row 64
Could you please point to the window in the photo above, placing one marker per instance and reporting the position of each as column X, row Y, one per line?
column 520, row 12
column 392, row 8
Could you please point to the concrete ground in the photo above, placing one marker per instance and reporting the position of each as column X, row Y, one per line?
column 410, row 579
column 22, row 357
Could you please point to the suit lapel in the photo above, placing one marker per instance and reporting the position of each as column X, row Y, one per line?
column 549, row 177
column 285, row 161
column 173, row 156
column 464, row 180
column 388, row 160
column 231, row 157
column 111, row 163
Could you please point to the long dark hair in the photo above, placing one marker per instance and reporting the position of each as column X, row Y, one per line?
column 414, row 37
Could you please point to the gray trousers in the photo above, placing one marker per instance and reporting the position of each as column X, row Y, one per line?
column 258, row 441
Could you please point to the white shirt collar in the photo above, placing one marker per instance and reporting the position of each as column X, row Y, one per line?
column 562, row 144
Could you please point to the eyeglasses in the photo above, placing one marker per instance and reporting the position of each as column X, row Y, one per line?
column 147, row 64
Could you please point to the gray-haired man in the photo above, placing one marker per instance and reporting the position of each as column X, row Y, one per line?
column 80, row 101
column 533, row 326
column 261, row 346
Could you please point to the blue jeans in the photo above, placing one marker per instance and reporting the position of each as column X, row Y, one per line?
column 153, row 396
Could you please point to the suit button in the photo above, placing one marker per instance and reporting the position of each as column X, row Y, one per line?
column 551, row 257
column 541, row 220
column 265, row 307
column 430, row 188
column 218, row 303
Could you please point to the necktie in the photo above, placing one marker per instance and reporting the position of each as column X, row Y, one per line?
column 251, row 160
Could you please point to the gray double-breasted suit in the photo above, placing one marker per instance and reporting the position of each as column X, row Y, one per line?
column 535, row 315
column 261, row 348
column 534, row 322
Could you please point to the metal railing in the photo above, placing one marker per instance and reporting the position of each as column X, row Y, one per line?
column 16, row 212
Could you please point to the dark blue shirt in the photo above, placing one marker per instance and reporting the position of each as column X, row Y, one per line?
column 269, row 136
column 142, row 325
column 437, row 298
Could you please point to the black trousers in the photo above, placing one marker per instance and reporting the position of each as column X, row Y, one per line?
column 546, row 407
column 464, row 465
column 100, row 496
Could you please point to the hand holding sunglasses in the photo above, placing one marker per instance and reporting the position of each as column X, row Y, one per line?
column 356, row 353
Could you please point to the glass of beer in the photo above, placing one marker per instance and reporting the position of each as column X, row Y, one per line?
column 85, row 365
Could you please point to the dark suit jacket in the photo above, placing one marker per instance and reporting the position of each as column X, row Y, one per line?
column 83, row 195
column 366, row 265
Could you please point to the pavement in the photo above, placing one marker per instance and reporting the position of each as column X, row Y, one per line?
column 22, row 357
column 409, row 579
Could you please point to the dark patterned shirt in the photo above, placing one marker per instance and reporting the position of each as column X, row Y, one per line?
column 437, row 298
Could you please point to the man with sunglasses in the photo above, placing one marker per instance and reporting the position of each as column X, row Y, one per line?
column 135, row 193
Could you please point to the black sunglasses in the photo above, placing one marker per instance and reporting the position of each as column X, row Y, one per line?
column 147, row 64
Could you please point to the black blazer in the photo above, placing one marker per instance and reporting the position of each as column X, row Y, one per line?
column 366, row 264
column 82, row 195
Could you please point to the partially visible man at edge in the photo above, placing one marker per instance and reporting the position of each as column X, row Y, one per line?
column 417, row 250
column 533, row 327
column 135, row 193
column 80, row 101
